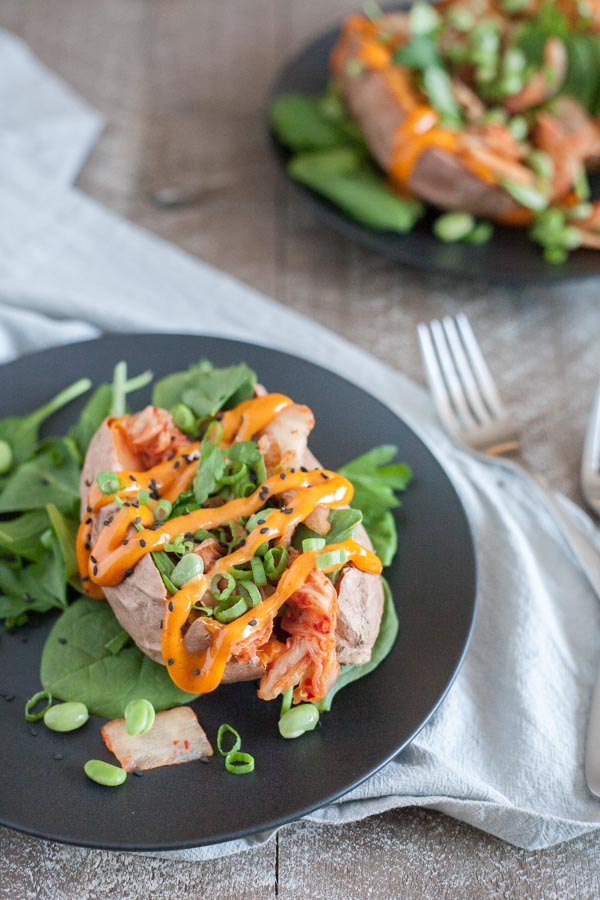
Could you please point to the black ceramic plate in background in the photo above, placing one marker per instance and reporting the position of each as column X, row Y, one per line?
column 510, row 257
column 433, row 582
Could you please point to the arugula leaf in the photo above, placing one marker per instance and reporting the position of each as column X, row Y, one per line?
column 52, row 476
column 375, row 484
column 343, row 525
column 210, row 468
column 22, row 432
column 84, row 669
column 21, row 536
column 205, row 389
column 388, row 631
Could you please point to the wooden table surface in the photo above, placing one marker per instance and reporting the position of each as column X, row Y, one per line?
column 182, row 85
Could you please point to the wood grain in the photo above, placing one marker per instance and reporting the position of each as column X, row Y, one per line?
column 183, row 87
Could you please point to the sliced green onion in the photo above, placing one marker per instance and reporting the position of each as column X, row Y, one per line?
column 144, row 497
column 582, row 185
column 108, row 482
column 260, row 470
column 189, row 566
column 119, row 392
column 237, row 741
column 184, row 418
column 203, row 535
column 207, row 610
column 256, row 518
column 162, row 510
column 231, row 609
column 526, row 195
column 262, row 549
column 438, row 88
column 239, row 763
column 286, row 701
column 237, row 471
column 214, row 432
column 33, row 701
column 453, row 226
column 310, row 544
column 258, row 571
column 241, row 574
column 227, row 591
column 423, row 19
column 179, row 546
column 249, row 591
column 332, row 558
column 518, row 127
column 244, row 488
column 275, row 561
column 581, row 211
column 542, row 164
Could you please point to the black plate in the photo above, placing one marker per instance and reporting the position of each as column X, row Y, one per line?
column 509, row 258
column 433, row 580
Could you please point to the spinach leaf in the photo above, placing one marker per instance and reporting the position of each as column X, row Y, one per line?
column 91, row 418
column 65, row 530
column 52, row 476
column 375, row 484
column 299, row 123
column 388, row 631
column 22, row 432
column 343, row 525
column 37, row 587
column 210, row 468
column 76, row 664
column 205, row 389
column 21, row 536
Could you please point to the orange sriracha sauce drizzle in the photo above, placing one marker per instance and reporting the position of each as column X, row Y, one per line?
column 116, row 551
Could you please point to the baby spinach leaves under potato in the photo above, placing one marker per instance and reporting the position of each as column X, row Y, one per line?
column 205, row 389
column 79, row 663
column 388, row 631
column 376, row 481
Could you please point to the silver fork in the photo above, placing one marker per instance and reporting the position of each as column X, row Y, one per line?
column 590, row 486
column 469, row 406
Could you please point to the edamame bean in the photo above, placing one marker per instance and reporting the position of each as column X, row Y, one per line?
column 183, row 417
column 189, row 566
column 108, row 481
column 139, row 716
column 6, row 457
column 297, row 720
column 453, row 226
column 66, row 716
column 104, row 773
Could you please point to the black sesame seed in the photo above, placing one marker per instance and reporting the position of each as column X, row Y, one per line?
column 242, row 542
column 88, row 521
column 170, row 662
column 133, row 478
column 189, row 536
column 195, row 671
column 170, row 606
column 137, row 773
column 260, row 521
column 128, row 573
column 287, row 512
column 177, row 463
column 9, row 697
column 161, row 624
column 142, row 542
column 93, row 559
column 87, row 545
column 219, row 416
column 323, row 475
column 125, row 541
column 282, row 475
column 108, row 521
column 303, row 469
column 264, row 530
column 88, row 509
column 85, row 577
column 137, row 520
column 62, row 640
column 88, row 482
column 253, row 622
column 95, row 570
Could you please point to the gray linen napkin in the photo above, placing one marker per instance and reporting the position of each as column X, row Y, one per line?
column 505, row 751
